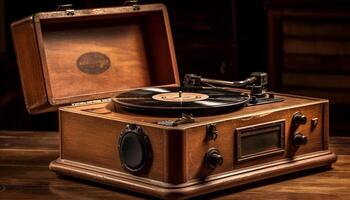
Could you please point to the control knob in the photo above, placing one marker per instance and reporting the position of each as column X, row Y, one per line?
column 299, row 139
column 299, row 118
column 213, row 158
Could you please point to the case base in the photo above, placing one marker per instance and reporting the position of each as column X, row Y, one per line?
column 197, row 186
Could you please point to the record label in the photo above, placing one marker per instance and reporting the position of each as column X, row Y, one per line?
column 180, row 97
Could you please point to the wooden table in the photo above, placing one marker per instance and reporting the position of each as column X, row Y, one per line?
column 24, row 174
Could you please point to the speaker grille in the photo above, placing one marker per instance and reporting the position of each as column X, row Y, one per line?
column 134, row 150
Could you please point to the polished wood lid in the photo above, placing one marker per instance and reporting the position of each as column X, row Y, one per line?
column 95, row 53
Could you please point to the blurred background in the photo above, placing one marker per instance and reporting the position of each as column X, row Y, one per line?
column 304, row 46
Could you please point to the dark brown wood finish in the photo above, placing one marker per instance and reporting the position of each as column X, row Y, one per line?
column 24, row 175
column 308, row 52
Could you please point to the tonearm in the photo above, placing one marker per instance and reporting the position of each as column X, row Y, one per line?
column 256, row 82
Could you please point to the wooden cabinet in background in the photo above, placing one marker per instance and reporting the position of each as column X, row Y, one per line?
column 309, row 53
column 2, row 31
column 205, row 37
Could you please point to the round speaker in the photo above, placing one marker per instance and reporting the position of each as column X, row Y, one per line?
column 134, row 150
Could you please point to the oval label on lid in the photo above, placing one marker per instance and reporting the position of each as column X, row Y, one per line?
column 93, row 63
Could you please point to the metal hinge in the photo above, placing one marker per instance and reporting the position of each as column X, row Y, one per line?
column 83, row 103
column 66, row 7
column 134, row 3
column 185, row 119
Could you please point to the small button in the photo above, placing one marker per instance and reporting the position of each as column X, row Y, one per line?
column 314, row 122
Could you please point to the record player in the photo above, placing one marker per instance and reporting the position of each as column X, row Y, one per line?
column 126, row 120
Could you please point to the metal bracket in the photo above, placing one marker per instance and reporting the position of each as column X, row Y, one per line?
column 185, row 119
column 212, row 132
column 91, row 102
column 66, row 7
column 134, row 3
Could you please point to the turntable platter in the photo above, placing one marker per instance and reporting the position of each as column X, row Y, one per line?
column 181, row 100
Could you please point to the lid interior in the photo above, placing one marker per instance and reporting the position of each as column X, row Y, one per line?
column 92, row 57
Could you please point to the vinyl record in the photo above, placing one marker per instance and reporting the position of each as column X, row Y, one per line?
column 181, row 100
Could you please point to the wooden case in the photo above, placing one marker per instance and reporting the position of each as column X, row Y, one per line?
column 72, row 56
column 82, row 55
column 178, row 168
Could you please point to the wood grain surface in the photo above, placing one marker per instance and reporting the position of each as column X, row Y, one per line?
column 64, row 59
column 24, row 174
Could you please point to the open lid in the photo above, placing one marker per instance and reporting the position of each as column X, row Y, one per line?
column 94, row 53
